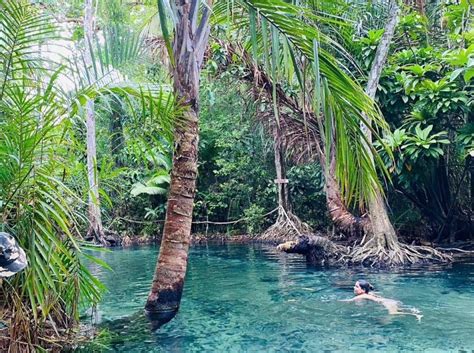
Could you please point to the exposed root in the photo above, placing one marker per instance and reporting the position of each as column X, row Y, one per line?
column 287, row 246
column 373, row 253
column 321, row 250
column 103, row 236
column 287, row 227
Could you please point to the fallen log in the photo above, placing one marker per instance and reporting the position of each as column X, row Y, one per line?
column 318, row 250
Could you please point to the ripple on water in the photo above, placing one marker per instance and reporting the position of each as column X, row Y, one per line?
column 253, row 299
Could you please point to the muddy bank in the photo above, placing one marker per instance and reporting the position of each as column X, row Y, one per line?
column 196, row 239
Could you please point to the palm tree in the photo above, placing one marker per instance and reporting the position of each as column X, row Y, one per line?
column 191, row 35
column 342, row 101
column 305, row 130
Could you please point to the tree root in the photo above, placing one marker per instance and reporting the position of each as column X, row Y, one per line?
column 322, row 251
column 374, row 254
column 102, row 236
column 287, row 227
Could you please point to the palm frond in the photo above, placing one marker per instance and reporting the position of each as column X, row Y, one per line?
column 339, row 96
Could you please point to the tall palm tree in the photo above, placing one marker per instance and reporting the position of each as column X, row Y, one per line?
column 191, row 33
column 351, row 176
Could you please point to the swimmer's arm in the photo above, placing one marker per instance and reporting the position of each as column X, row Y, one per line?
column 347, row 300
column 418, row 316
column 359, row 297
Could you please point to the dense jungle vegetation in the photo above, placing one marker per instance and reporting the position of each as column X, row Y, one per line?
column 347, row 121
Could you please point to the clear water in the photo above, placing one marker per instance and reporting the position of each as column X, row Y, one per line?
column 254, row 299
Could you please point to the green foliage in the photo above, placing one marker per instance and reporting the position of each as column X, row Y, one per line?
column 134, row 129
column 426, row 95
column 113, row 12
column 422, row 144
column 465, row 139
column 416, row 145
column 254, row 219
column 308, row 194
column 413, row 27
column 368, row 46
column 236, row 165
column 458, row 20
column 156, row 185
column 463, row 60
column 35, row 204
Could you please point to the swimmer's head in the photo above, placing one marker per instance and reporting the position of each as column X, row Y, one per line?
column 362, row 286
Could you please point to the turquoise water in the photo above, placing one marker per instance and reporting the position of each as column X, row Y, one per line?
column 254, row 299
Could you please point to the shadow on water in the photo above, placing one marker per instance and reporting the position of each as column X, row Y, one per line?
column 134, row 330
column 157, row 320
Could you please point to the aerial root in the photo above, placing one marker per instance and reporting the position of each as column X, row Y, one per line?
column 286, row 228
column 396, row 254
column 372, row 253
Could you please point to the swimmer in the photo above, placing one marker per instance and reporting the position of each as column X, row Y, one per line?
column 362, row 290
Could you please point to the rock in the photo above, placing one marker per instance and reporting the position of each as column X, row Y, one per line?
column 127, row 241
column 112, row 238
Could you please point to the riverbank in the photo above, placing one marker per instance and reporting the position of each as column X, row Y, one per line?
column 459, row 250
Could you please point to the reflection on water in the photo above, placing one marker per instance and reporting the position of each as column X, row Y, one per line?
column 252, row 298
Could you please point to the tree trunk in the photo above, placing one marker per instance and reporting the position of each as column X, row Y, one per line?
column 380, row 226
column 380, row 244
column 96, row 229
column 418, row 5
column 343, row 219
column 281, row 182
column 319, row 250
column 189, row 44
column 470, row 215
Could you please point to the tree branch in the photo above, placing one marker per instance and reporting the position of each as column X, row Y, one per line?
column 202, row 32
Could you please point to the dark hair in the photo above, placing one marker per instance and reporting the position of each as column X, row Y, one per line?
column 366, row 286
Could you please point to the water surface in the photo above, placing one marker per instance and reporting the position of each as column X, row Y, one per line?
column 254, row 299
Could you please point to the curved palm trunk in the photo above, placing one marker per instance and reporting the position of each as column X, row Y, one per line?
column 189, row 44
column 343, row 219
column 378, row 224
column 165, row 295
column 381, row 229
